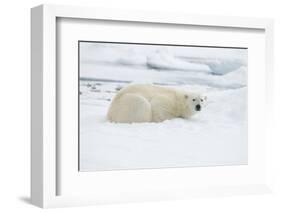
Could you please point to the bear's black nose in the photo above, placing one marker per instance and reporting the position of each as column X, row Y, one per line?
column 197, row 107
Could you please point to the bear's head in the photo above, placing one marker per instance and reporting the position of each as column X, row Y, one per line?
column 194, row 103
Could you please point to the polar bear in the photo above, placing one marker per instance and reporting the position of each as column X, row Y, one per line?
column 150, row 103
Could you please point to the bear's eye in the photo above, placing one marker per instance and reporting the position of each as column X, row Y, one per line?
column 202, row 100
column 193, row 99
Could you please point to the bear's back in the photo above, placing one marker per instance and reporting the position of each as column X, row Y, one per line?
column 146, row 90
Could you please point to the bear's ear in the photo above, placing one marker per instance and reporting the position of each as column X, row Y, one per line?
column 186, row 96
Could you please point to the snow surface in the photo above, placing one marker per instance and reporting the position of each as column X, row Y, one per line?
column 215, row 136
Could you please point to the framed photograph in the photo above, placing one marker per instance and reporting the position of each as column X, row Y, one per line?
column 130, row 106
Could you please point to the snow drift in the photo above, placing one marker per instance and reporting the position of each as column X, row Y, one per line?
column 166, row 61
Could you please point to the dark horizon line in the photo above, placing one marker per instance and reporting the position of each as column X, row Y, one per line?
column 157, row 44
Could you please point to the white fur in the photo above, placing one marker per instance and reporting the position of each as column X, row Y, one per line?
column 150, row 103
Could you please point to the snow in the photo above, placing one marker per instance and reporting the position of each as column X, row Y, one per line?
column 215, row 136
column 165, row 61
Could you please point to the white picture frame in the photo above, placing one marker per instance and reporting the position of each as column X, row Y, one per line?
column 44, row 150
